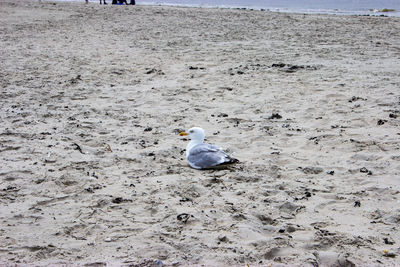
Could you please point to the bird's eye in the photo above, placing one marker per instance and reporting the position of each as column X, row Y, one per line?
column 191, row 131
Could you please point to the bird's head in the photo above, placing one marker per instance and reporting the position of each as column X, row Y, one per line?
column 195, row 133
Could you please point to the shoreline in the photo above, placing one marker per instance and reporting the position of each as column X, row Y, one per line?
column 373, row 12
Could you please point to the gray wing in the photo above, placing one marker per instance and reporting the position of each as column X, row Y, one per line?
column 205, row 156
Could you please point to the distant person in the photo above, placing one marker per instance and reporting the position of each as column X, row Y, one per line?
column 104, row 1
column 119, row 2
column 87, row 1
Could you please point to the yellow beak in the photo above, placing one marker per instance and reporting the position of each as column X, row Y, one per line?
column 183, row 134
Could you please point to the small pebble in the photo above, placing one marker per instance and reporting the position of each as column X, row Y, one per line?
column 275, row 116
column 223, row 238
column 381, row 122
column 388, row 241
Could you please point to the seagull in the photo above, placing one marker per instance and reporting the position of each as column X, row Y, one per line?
column 204, row 156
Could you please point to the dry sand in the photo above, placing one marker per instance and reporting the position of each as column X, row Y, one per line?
column 93, row 171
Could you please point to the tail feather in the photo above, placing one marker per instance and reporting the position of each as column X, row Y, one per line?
column 229, row 161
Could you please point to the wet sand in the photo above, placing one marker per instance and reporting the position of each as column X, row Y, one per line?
column 93, row 171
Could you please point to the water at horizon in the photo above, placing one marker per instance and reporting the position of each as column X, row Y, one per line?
column 343, row 7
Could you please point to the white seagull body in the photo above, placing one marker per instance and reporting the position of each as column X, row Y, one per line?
column 204, row 156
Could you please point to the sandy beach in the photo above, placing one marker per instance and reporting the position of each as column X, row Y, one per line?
column 93, row 171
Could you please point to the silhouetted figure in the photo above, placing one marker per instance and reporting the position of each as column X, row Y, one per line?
column 104, row 2
column 119, row 2
column 133, row 2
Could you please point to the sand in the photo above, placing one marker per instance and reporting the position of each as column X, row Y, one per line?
column 93, row 171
